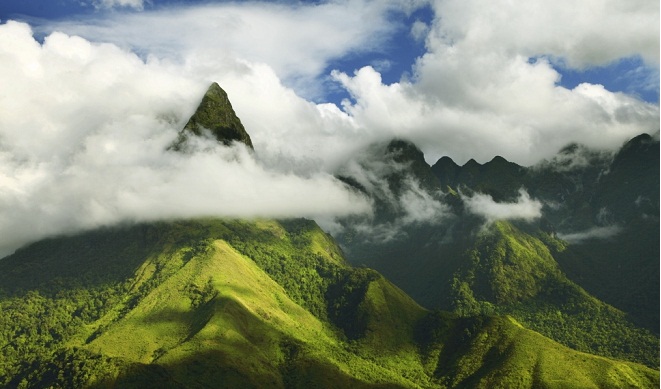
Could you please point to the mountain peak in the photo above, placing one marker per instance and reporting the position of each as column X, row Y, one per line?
column 215, row 115
column 640, row 143
column 401, row 151
column 499, row 165
column 404, row 150
column 446, row 161
column 471, row 164
column 499, row 160
column 638, row 152
column 446, row 170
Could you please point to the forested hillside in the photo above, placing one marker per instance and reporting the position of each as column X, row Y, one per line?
column 226, row 303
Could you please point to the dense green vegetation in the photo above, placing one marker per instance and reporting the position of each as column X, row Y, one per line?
column 619, row 271
column 511, row 272
column 497, row 352
column 250, row 304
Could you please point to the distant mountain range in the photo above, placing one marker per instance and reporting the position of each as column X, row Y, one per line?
column 569, row 247
column 527, row 277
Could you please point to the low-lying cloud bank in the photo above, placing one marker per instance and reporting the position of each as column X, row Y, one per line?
column 604, row 232
column 525, row 208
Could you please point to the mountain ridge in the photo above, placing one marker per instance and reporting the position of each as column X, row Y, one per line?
column 198, row 310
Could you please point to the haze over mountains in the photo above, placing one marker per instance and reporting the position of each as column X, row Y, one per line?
column 538, row 271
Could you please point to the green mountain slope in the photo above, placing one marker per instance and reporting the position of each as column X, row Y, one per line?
column 586, row 193
column 624, row 268
column 221, row 303
column 509, row 271
column 497, row 352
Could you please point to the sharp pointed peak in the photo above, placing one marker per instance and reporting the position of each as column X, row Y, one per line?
column 215, row 116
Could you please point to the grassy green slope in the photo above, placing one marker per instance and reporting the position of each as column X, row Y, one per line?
column 250, row 304
column 196, row 304
column 222, row 315
column 509, row 271
column 497, row 352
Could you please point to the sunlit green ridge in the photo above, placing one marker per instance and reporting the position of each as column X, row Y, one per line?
column 251, row 304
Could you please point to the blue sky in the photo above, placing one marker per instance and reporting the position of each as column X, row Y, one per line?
column 629, row 75
column 93, row 92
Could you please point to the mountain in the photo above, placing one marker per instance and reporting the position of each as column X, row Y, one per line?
column 499, row 178
column 214, row 117
column 606, row 206
column 623, row 268
column 525, row 295
column 228, row 303
column 582, row 271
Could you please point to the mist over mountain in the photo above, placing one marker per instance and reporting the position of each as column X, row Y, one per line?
column 329, row 194
column 484, row 275
column 109, row 159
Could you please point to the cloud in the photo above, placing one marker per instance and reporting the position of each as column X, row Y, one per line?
column 297, row 41
column 591, row 233
column 574, row 157
column 108, row 4
column 83, row 140
column 487, row 85
column 420, row 206
column 524, row 208
column 594, row 32
column 476, row 108
column 400, row 199
column 419, row 30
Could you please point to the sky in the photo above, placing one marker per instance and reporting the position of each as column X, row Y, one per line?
column 93, row 91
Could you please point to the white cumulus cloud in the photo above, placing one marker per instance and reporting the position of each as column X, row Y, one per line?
column 297, row 41
column 83, row 142
column 489, row 85
column 109, row 4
